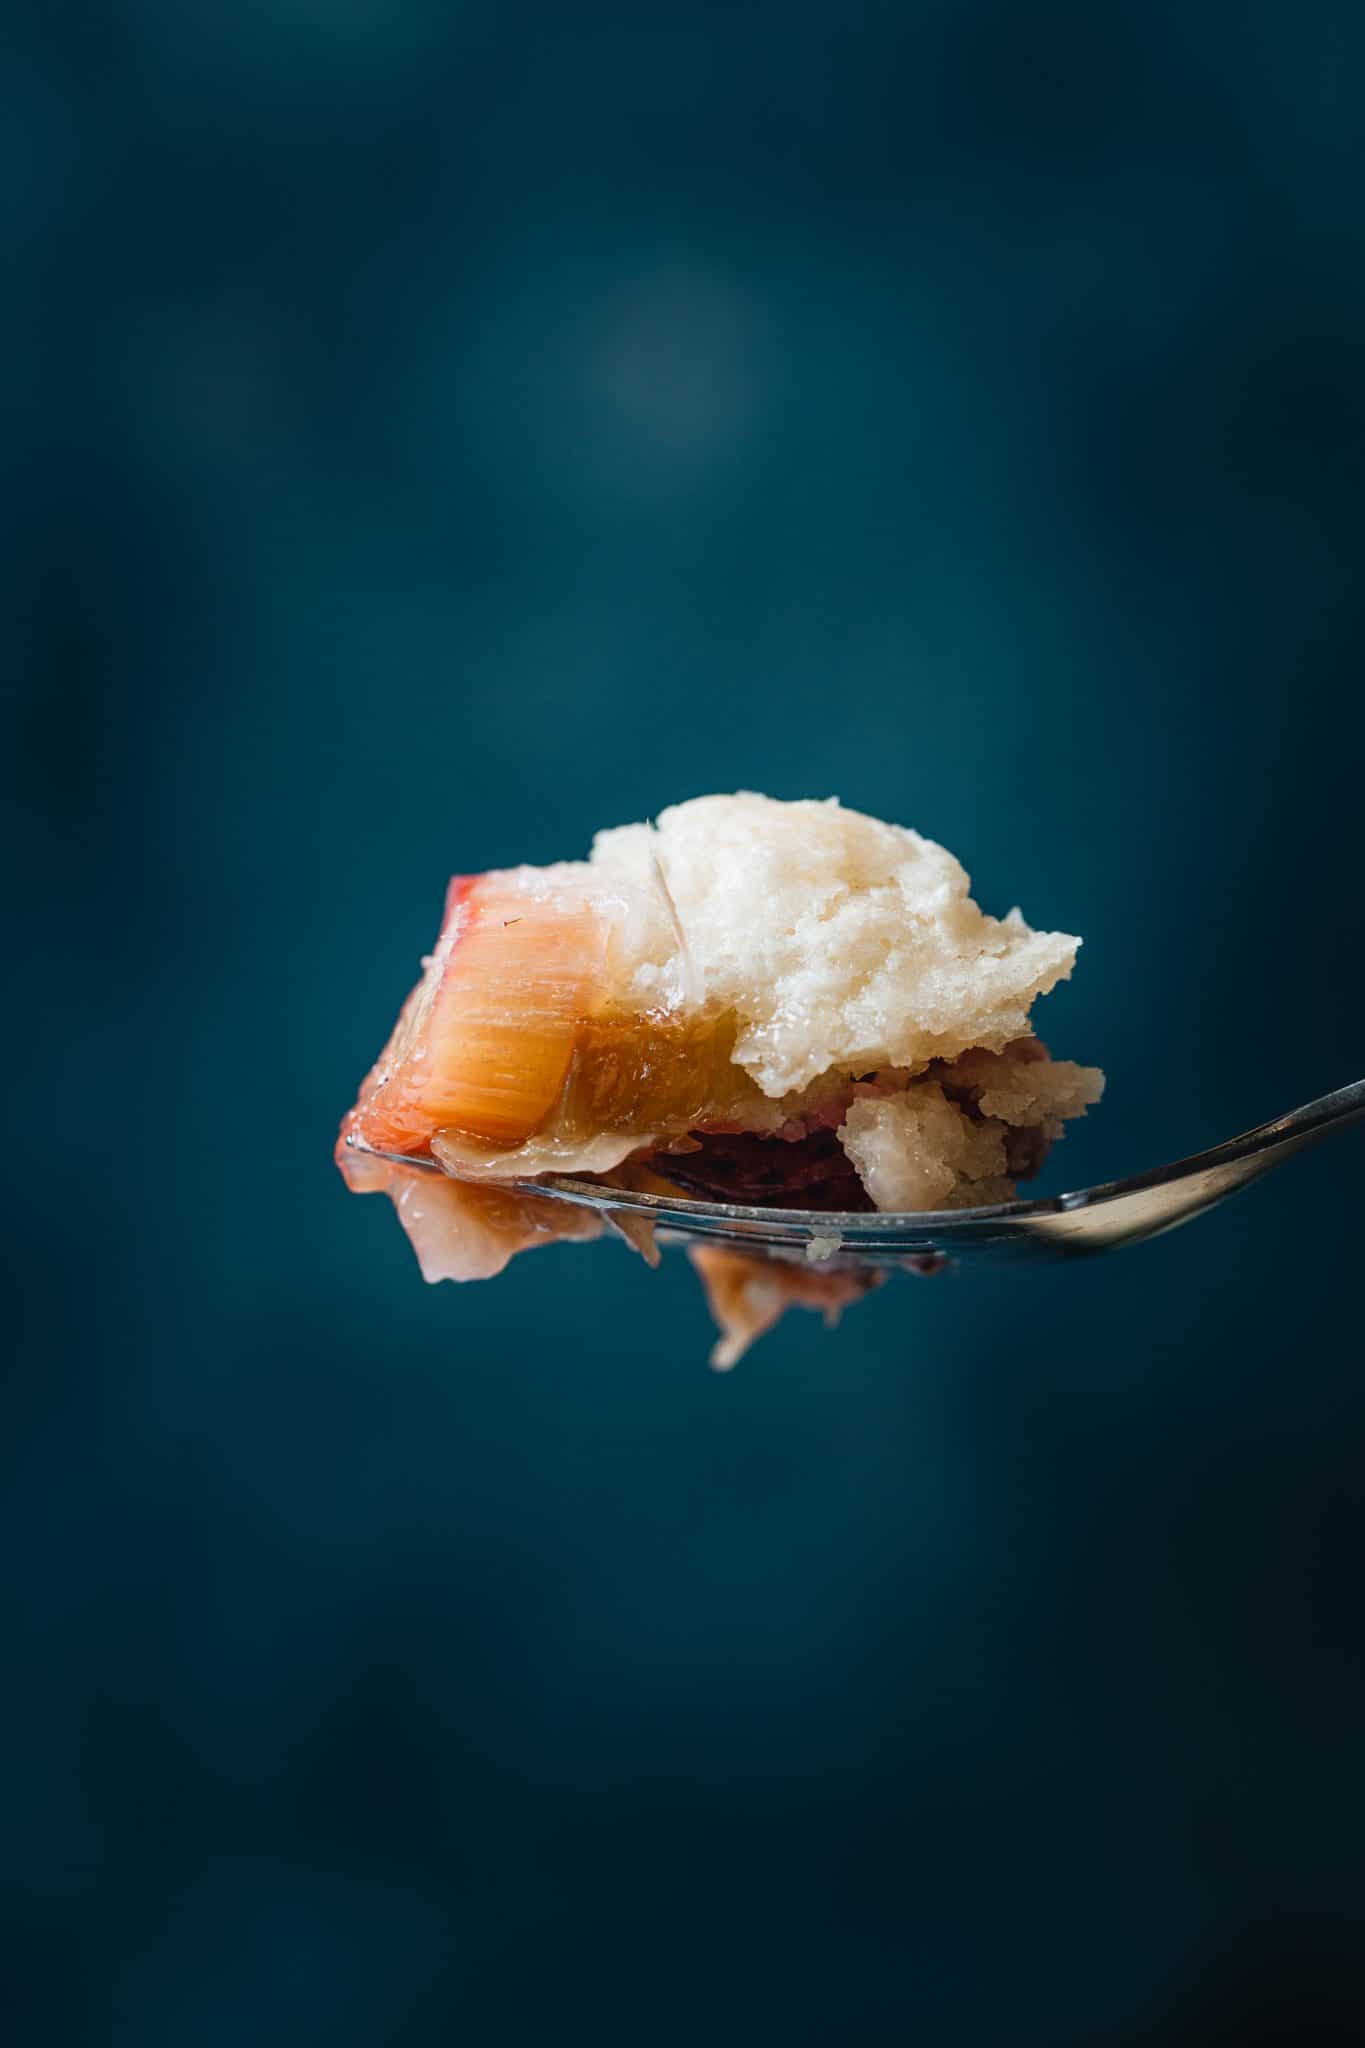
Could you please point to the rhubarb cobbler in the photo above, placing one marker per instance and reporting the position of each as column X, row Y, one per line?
column 784, row 1004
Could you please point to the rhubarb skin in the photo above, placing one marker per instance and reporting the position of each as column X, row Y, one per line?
column 484, row 1043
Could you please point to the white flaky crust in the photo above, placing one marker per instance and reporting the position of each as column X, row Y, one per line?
column 918, row 1148
column 838, row 941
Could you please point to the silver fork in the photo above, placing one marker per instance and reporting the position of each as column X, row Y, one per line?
column 1098, row 1219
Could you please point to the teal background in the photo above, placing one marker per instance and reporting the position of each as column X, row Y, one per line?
column 439, row 430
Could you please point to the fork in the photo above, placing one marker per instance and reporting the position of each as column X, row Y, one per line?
column 1098, row 1219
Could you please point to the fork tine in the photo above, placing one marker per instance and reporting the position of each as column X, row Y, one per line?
column 1088, row 1220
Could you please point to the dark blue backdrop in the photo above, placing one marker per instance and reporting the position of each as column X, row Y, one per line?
column 440, row 430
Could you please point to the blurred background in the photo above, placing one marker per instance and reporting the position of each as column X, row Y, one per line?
column 435, row 431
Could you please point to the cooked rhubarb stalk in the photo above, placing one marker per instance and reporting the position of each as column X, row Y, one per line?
column 485, row 1042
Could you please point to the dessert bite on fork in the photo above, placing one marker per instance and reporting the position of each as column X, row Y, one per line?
column 788, row 1006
